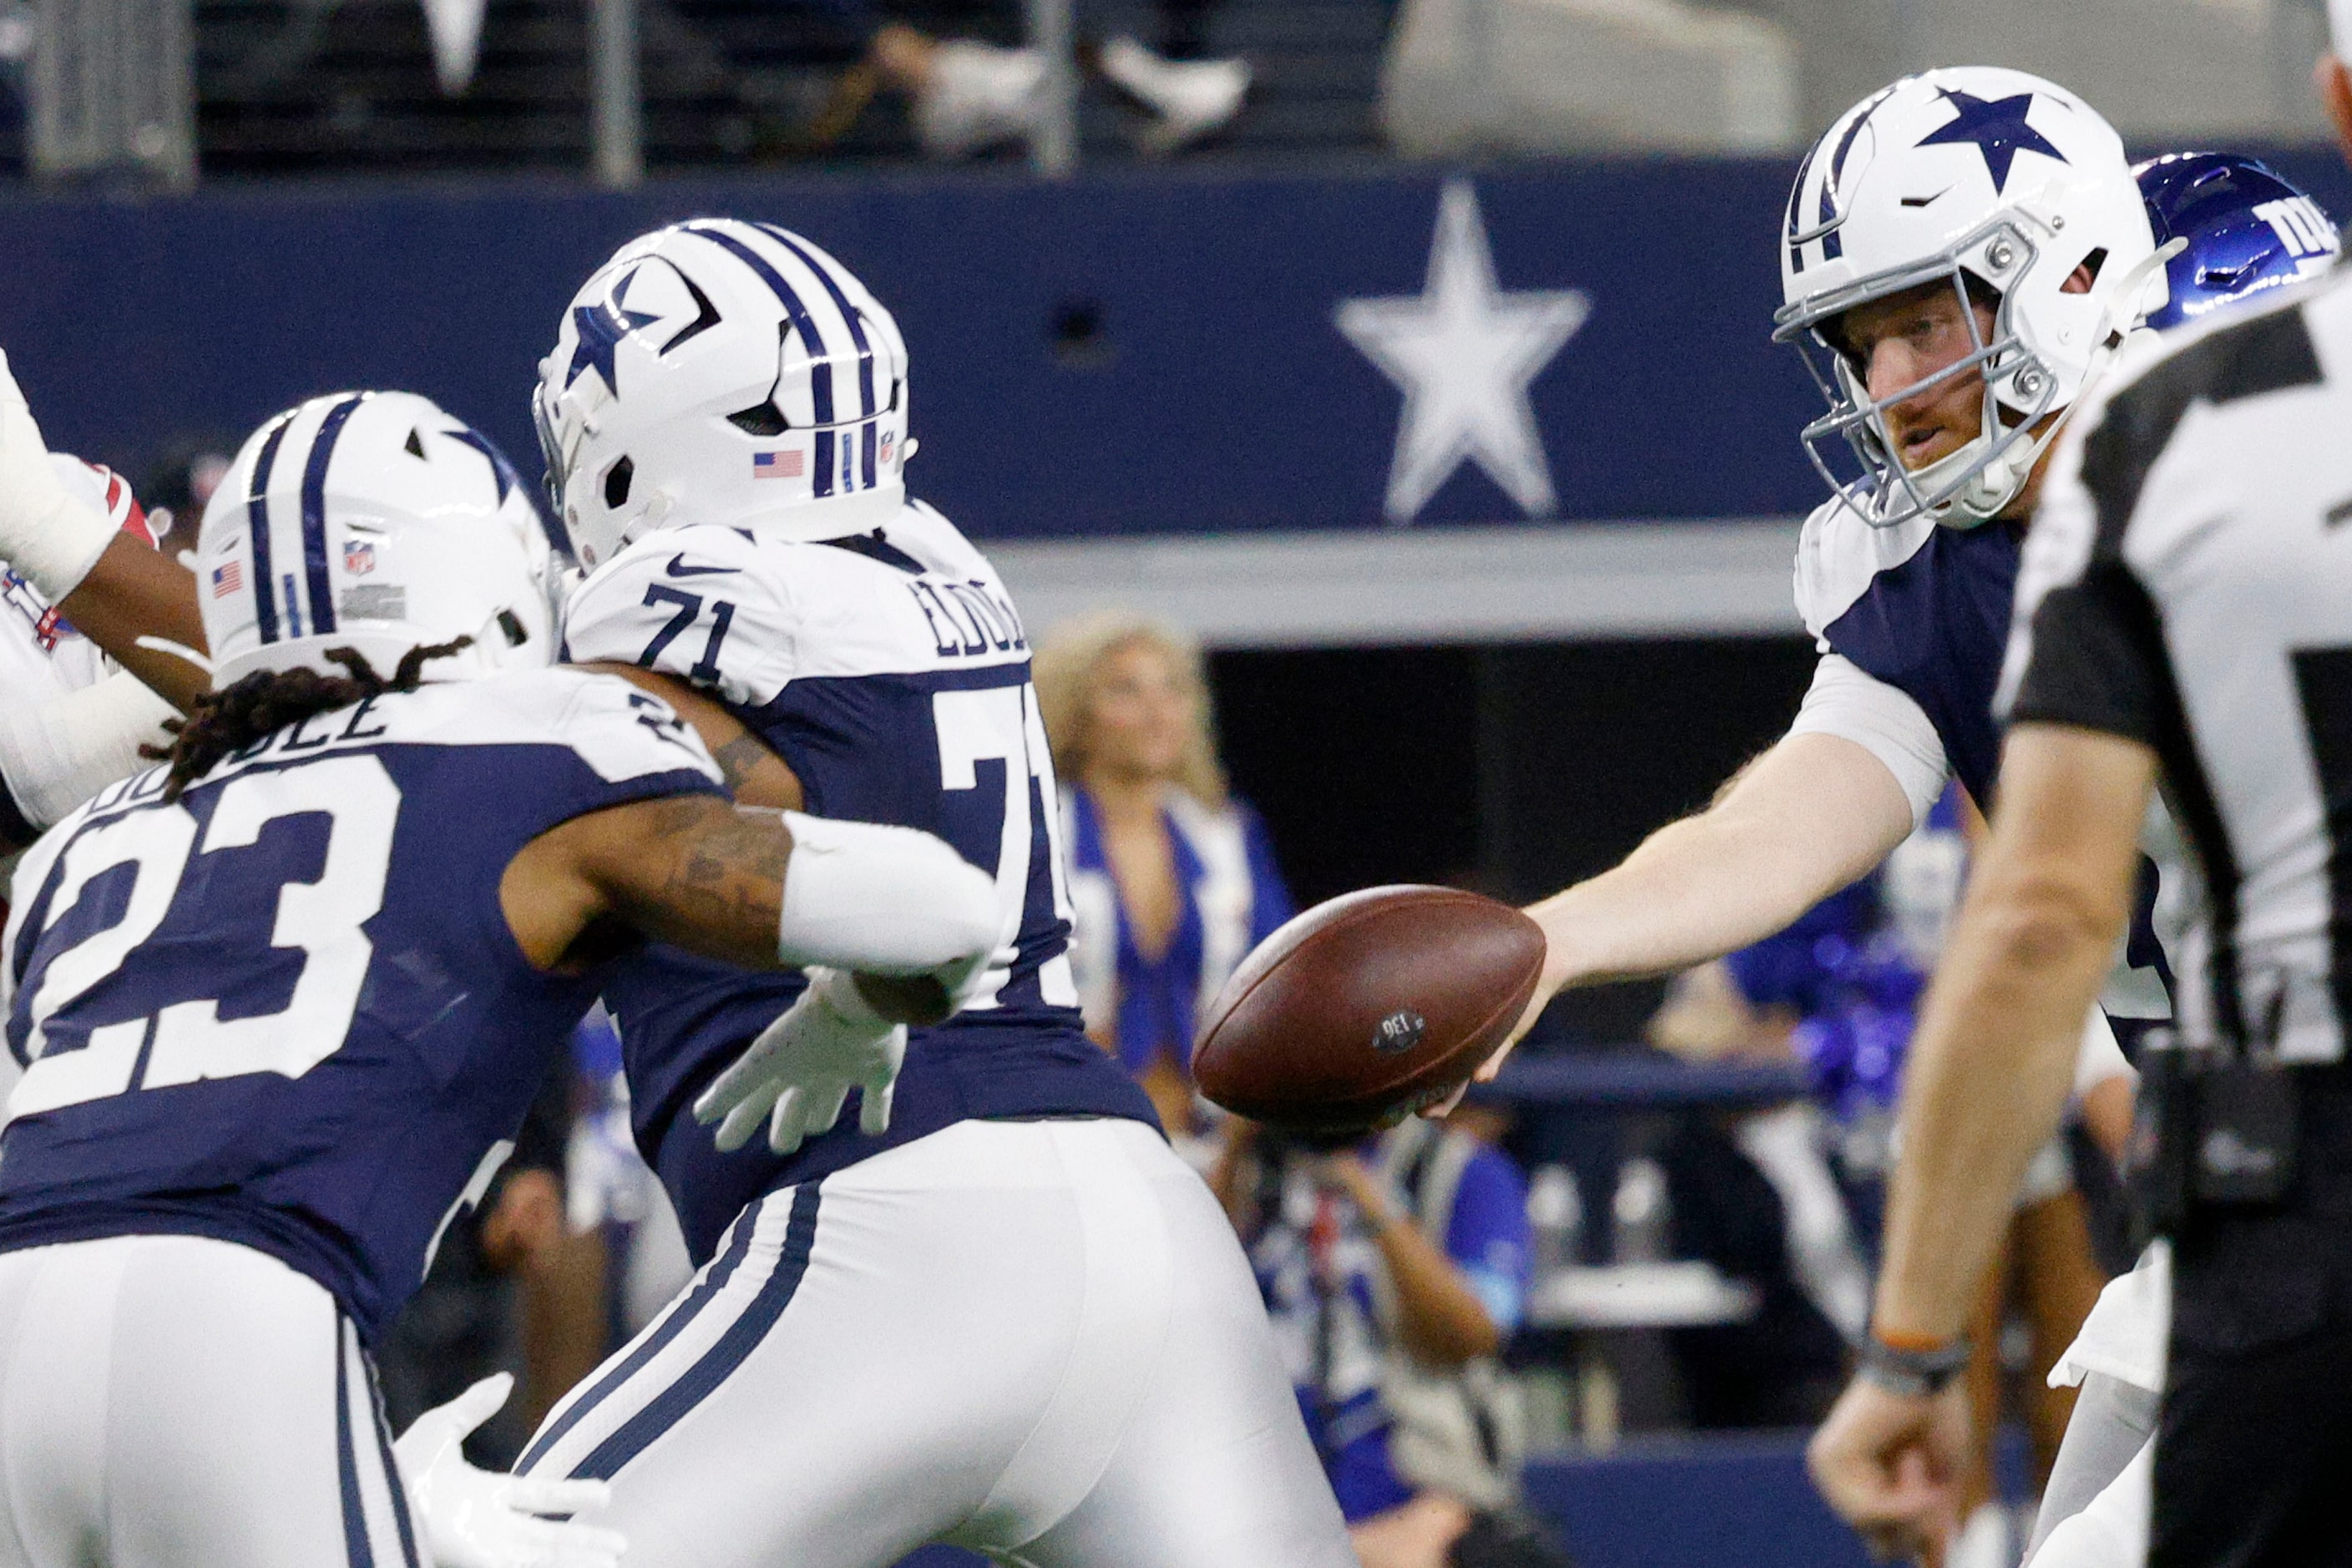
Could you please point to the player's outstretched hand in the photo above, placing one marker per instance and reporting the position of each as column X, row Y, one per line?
column 798, row 1072
column 1889, row 1464
column 46, row 535
column 480, row 1518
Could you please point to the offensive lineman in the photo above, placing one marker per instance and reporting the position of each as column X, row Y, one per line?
column 1002, row 1313
column 282, row 1003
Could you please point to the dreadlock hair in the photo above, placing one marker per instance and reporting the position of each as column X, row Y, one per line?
column 266, row 701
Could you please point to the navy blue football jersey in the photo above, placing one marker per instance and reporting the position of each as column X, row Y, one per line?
column 1926, row 610
column 891, row 672
column 286, row 1010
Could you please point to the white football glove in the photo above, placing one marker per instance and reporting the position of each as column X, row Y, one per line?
column 482, row 1519
column 799, row 1070
column 45, row 533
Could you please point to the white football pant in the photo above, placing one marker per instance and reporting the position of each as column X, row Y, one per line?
column 1035, row 1339
column 171, row 1401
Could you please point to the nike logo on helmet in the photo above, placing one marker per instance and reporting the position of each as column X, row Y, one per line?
column 678, row 568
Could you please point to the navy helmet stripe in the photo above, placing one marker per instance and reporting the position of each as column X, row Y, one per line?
column 712, row 1283
column 1831, row 245
column 791, row 242
column 674, row 1402
column 820, row 367
column 821, row 377
column 256, row 521
column 1796, row 199
column 314, row 513
column 856, row 335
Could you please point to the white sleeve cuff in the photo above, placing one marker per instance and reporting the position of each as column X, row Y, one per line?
column 55, row 754
column 1845, row 701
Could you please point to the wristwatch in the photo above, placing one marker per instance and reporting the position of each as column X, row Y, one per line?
column 1912, row 1366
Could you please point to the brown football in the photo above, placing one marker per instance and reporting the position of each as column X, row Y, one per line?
column 1364, row 1009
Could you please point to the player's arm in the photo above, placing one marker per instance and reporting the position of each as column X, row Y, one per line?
column 57, row 750
column 755, row 776
column 133, row 593
column 760, row 890
column 890, row 924
column 115, row 589
column 1800, row 822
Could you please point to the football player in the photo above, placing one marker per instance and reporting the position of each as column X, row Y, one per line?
column 1001, row 1312
column 282, row 1001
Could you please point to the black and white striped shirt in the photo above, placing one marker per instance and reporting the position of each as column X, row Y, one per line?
column 2187, row 584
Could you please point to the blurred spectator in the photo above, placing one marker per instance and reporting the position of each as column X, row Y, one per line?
column 1171, row 880
column 180, row 481
column 611, row 1189
column 1393, row 1271
column 1755, row 1193
column 966, row 96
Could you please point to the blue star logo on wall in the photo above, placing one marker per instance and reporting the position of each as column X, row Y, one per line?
column 1996, row 127
column 601, row 329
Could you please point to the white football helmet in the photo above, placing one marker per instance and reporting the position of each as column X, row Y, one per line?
column 373, row 520
column 723, row 371
column 1981, row 178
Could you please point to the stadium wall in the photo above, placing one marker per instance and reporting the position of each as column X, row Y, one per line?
column 1130, row 360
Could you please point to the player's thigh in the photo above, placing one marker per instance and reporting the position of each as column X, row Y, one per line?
column 242, row 1424
column 1215, row 1469
column 843, row 1382
column 172, row 1401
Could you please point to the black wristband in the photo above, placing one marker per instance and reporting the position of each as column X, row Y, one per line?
column 1912, row 1373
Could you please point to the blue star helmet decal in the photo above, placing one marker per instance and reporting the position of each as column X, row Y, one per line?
column 1996, row 127
column 601, row 329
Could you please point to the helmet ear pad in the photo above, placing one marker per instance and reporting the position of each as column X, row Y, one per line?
column 724, row 371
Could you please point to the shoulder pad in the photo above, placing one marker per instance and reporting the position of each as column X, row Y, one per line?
column 708, row 604
column 620, row 731
column 1839, row 554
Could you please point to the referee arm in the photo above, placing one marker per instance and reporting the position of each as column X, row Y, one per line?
column 1990, row 1069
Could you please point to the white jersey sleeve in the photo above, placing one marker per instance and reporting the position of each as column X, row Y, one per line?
column 1838, row 554
column 701, row 604
column 69, row 724
column 1846, row 701
column 58, row 751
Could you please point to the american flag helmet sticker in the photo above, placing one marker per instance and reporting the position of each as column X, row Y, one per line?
column 789, row 465
column 227, row 578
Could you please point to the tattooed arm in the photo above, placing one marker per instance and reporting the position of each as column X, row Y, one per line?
column 690, row 870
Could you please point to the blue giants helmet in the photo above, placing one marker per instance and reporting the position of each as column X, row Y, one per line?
column 2245, row 229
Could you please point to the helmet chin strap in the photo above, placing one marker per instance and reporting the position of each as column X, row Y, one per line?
column 2006, row 472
